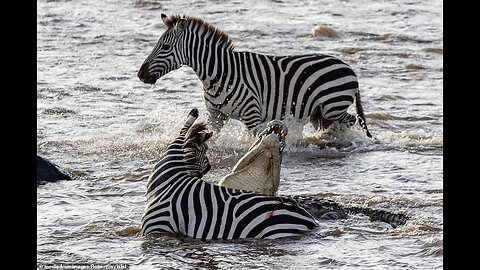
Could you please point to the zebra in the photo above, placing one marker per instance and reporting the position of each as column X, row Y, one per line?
column 251, row 87
column 180, row 202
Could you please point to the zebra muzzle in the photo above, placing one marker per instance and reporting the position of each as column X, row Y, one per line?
column 144, row 74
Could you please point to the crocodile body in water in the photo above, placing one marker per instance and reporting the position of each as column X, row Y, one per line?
column 259, row 171
column 327, row 209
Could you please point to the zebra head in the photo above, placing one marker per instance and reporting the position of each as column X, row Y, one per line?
column 195, row 149
column 167, row 55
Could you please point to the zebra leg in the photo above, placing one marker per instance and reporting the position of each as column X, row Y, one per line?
column 325, row 123
column 346, row 120
column 216, row 120
column 317, row 119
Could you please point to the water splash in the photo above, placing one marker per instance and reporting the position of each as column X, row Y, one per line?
column 411, row 138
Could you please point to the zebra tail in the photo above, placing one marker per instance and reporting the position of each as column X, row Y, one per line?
column 360, row 115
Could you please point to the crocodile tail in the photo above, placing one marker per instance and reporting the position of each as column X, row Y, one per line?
column 327, row 209
column 394, row 219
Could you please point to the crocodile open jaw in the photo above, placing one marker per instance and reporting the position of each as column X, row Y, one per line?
column 259, row 169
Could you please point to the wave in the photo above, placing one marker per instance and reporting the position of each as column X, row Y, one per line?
column 58, row 111
column 390, row 37
column 234, row 140
column 386, row 116
column 117, row 154
column 411, row 137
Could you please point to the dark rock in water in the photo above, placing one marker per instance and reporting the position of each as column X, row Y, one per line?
column 49, row 172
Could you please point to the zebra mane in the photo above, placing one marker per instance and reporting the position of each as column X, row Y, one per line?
column 220, row 34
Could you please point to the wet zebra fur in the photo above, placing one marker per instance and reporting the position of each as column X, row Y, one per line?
column 255, row 88
column 179, row 201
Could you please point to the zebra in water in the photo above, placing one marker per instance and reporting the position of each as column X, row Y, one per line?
column 179, row 201
column 251, row 87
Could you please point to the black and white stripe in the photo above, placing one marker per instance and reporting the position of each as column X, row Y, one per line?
column 178, row 201
column 251, row 87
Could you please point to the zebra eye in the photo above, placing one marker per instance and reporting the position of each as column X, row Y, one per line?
column 166, row 46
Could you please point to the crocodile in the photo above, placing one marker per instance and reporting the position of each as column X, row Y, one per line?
column 259, row 171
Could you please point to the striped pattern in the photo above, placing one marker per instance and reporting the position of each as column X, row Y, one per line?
column 178, row 201
column 287, row 85
column 255, row 88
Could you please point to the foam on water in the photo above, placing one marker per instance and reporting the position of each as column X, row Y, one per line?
column 233, row 136
column 412, row 138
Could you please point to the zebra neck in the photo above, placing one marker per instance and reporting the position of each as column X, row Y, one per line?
column 170, row 170
column 214, row 66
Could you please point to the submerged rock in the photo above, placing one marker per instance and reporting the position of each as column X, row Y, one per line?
column 324, row 30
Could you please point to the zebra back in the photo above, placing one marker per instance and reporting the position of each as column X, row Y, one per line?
column 199, row 209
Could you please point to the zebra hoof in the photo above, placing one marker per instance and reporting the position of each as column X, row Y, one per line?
column 278, row 127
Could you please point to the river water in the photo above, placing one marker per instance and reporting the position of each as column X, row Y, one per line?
column 96, row 119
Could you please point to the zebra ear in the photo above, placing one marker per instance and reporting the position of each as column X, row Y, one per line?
column 202, row 137
column 207, row 136
column 165, row 19
column 197, row 134
column 180, row 26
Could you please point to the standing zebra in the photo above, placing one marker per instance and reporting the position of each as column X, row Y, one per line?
column 178, row 201
column 251, row 87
